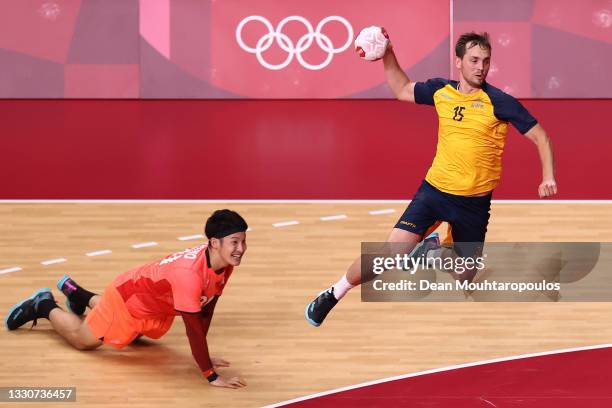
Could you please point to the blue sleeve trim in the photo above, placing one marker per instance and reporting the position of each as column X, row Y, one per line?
column 424, row 91
column 509, row 109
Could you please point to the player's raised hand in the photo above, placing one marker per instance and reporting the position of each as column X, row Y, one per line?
column 234, row 382
column 372, row 43
column 219, row 362
column 547, row 188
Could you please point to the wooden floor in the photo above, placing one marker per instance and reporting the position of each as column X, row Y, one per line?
column 259, row 324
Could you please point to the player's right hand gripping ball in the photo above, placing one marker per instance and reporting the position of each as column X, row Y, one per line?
column 371, row 43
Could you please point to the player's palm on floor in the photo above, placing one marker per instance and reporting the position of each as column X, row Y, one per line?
column 233, row 382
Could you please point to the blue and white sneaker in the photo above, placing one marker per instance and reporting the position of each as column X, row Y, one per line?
column 317, row 310
column 26, row 310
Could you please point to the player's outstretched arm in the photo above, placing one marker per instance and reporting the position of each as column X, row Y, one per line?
column 400, row 84
column 372, row 44
column 196, row 326
column 548, row 186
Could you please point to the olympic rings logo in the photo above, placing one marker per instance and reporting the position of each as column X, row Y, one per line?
column 287, row 45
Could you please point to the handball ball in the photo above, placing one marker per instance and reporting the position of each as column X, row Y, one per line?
column 371, row 43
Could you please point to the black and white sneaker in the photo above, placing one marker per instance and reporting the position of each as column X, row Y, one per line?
column 317, row 310
column 27, row 310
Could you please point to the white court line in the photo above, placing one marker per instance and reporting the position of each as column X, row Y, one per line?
column 190, row 237
column 334, row 217
column 54, row 261
column 98, row 253
column 285, row 224
column 437, row 370
column 380, row 212
column 10, row 270
column 488, row 402
column 144, row 245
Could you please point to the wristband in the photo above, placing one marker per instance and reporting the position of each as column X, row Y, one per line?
column 210, row 375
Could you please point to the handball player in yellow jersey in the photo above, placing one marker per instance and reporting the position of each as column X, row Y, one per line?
column 473, row 120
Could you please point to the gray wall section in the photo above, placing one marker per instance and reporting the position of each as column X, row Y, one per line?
column 24, row 76
column 160, row 78
column 569, row 66
column 492, row 10
column 435, row 64
column 106, row 32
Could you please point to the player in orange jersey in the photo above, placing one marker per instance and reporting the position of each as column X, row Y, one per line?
column 145, row 300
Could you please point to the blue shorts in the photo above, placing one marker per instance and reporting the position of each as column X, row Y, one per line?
column 468, row 216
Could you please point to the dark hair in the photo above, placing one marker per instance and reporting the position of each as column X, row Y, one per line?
column 473, row 39
column 223, row 223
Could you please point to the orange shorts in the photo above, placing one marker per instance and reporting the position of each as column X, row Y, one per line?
column 112, row 322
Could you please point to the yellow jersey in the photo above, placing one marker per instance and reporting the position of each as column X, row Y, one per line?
column 471, row 134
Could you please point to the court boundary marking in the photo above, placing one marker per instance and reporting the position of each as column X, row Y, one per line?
column 437, row 370
column 282, row 224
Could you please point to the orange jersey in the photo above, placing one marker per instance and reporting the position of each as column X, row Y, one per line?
column 181, row 282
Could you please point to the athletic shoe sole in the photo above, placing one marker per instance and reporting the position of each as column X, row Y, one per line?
column 312, row 322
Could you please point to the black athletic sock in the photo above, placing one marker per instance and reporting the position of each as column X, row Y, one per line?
column 76, row 294
column 45, row 307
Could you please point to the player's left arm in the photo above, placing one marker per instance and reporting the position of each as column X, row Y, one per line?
column 509, row 109
column 196, row 328
column 548, row 186
column 206, row 317
column 186, row 296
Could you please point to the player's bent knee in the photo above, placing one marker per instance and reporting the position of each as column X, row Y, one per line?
column 80, row 346
column 85, row 347
column 86, row 343
column 85, row 339
column 402, row 241
column 400, row 235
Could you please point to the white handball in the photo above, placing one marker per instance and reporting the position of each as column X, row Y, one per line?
column 371, row 43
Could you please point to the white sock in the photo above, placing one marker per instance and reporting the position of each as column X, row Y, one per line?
column 342, row 287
